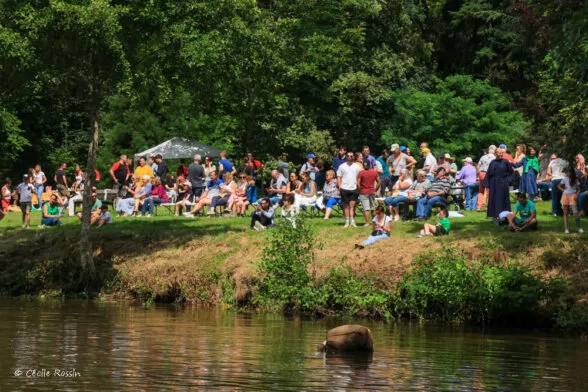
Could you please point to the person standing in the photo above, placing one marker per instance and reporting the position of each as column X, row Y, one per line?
column 143, row 170
column 196, row 176
column 224, row 165
column 310, row 167
column 429, row 163
column 61, row 181
column 483, row 165
column 120, row 173
column 467, row 175
column 339, row 158
column 385, row 174
column 39, row 180
column 347, row 183
column 498, row 176
column 25, row 197
column 161, row 167
column 283, row 166
column 367, row 182
column 555, row 174
column 367, row 156
column 570, row 187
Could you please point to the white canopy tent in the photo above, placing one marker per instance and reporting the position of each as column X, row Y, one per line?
column 178, row 148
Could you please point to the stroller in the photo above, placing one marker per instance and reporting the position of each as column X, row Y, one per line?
column 456, row 197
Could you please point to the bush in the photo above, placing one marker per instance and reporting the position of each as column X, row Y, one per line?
column 449, row 288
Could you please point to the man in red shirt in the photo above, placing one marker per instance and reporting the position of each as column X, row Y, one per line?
column 368, row 181
column 120, row 173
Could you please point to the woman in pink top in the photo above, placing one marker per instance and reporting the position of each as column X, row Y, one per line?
column 157, row 197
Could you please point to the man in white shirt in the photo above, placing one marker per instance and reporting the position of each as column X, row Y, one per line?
column 430, row 163
column 555, row 173
column 347, row 181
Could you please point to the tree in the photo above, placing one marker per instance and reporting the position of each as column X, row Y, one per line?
column 461, row 115
column 80, row 48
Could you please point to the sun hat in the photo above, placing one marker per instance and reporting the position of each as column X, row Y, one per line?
column 468, row 160
column 394, row 147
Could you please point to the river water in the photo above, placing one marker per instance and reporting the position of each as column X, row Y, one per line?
column 78, row 345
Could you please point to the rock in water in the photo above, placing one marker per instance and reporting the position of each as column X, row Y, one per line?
column 349, row 338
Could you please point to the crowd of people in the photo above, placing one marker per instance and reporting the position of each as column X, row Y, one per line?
column 383, row 188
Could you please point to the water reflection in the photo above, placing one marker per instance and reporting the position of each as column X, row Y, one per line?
column 125, row 347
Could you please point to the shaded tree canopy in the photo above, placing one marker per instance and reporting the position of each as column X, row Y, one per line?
column 295, row 76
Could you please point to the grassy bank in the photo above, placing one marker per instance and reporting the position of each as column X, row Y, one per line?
column 480, row 273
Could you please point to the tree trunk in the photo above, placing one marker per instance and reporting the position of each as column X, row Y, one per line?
column 88, row 267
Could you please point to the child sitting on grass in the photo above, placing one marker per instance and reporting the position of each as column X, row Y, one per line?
column 441, row 228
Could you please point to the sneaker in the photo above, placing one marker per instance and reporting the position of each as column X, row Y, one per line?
column 42, row 227
column 420, row 235
column 24, row 226
column 254, row 228
column 352, row 224
column 396, row 218
column 346, row 225
column 227, row 211
column 210, row 213
column 566, row 231
column 150, row 216
column 580, row 230
column 554, row 214
column 258, row 226
column 359, row 246
column 366, row 225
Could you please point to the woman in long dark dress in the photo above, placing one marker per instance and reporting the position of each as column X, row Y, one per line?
column 497, row 178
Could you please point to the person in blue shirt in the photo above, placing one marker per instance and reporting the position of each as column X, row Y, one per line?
column 528, row 214
column 224, row 165
column 212, row 190
column 339, row 158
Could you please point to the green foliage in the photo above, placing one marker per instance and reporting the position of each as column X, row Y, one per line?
column 460, row 115
column 448, row 287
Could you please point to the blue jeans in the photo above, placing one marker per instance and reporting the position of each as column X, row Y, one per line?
column 471, row 192
column 582, row 200
column 395, row 201
column 425, row 205
column 39, row 191
column 556, row 198
column 331, row 202
column 50, row 221
column 543, row 188
column 430, row 177
column 275, row 200
column 149, row 204
column 373, row 238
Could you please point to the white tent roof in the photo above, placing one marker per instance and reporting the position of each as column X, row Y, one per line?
column 178, row 147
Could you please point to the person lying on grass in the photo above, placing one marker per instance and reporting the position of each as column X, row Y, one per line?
column 441, row 228
column 527, row 211
column 382, row 225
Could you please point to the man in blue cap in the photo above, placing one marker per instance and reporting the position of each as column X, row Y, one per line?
column 310, row 167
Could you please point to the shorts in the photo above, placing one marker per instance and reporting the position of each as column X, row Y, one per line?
column 348, row 196
column 368, row 202
column 568, row 200
column 440, row 231
column 63, row 191
column 25, row 206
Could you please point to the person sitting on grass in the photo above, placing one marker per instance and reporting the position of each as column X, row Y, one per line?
column 288, row 211
column 331, row 193
column 212, row 190
column 441, row 228
column 95, row 209
column 527, row 211
column 263, row 216
column 51, row 215
column 104, row 218
column 382, row 225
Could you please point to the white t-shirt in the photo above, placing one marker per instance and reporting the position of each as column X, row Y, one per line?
column 404, row 192
column 39, row 178
column 569, row 190
column 348, row 173
column 557, row 166
column 431, row 162
column 387, row 220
